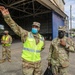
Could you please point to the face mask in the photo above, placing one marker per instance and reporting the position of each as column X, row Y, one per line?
column 61, row 34
column 34, row 30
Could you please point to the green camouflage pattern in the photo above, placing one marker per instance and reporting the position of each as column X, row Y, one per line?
column 6, row 53
column 32, row 67
column 36, row 24
column 6, row 50
column 59, row 70
column 19, row 30
column 59, row 55
column 62, row 28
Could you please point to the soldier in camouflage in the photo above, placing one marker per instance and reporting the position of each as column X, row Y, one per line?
column 6, row 41
column 59, row 52
column 33, row 44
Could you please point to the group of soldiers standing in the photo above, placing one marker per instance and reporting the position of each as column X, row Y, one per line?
column 33, row 44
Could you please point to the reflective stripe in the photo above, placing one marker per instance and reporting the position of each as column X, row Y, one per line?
column 31, row 50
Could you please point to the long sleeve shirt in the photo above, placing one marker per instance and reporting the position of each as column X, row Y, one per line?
column 58, row 53
column 19, row 30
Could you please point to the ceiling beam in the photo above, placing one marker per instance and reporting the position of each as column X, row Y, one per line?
column 43, row 12
column 20, row 10
column 17, row 2
column 24, row 3
column 16, row 8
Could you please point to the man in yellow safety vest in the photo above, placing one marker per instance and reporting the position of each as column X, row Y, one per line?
column 6, row 41
column 33, row 43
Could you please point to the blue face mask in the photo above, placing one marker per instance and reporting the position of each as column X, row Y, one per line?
column 34, row 30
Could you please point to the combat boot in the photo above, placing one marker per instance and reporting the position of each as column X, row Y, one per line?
column 9, row 60
column 2, row 61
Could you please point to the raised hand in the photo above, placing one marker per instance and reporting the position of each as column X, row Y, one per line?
column 4, row 11
column 62, row 42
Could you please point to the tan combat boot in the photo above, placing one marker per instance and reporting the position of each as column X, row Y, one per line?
column 2, row 61
column 9, row 60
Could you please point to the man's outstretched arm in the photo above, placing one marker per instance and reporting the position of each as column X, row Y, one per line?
column 12, row 24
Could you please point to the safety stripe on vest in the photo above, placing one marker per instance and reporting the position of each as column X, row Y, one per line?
column 31, row 50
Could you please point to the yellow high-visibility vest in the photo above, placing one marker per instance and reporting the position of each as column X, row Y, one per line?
column 5, row 38
column 31, row 50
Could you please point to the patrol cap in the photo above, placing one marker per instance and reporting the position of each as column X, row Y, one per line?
column 62, row 28
column 6, row 31
column 36, row 24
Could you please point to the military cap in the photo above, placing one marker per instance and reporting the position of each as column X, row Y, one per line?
column 36, row 24
column 6, row 31
column 62, row 28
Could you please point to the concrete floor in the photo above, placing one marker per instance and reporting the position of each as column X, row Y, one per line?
column 15, row 67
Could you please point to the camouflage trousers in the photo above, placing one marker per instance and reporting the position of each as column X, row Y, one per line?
column 59, row 70
column 6, row 53
column 31, row 68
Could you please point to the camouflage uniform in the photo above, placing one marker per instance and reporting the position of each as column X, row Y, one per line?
column 59, row 55
column 29, row 68
column 6, row 50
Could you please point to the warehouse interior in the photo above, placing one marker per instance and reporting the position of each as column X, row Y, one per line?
column 25, row 12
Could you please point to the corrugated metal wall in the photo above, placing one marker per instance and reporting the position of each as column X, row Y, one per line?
column 57, row 21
